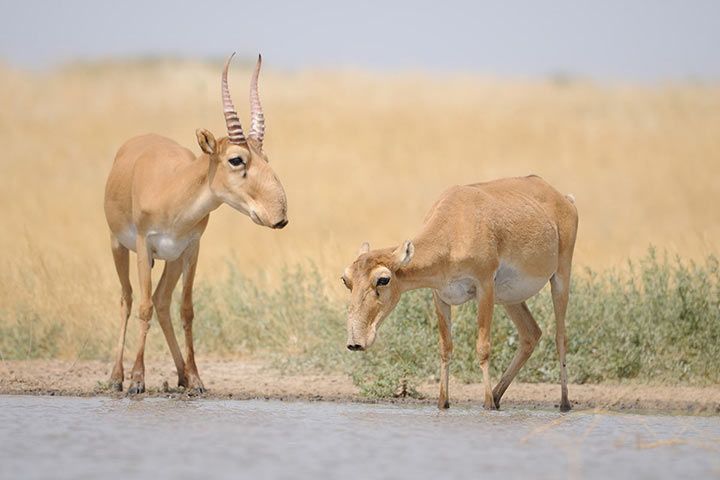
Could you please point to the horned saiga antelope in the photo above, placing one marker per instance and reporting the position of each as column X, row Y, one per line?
column 158, row 200
column 495, row 242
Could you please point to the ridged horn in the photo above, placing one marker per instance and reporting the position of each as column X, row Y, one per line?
column 257, row 119
column 234, row 128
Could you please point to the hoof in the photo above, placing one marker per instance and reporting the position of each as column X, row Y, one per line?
column 444, row 405
column 490, row 406
column 136, row 388
column 194, row 385
column 193, row 392
column 565, row 406
column 115, row 386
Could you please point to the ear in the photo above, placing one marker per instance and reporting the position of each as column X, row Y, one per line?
column 364, row 248
column 403, row 254
column 206, row 140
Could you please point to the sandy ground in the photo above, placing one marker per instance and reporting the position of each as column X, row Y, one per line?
column 252, row 379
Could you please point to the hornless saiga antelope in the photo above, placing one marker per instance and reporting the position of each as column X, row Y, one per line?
column 497, row 242
column 158, row 200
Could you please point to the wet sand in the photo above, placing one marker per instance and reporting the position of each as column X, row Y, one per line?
column 251, row 379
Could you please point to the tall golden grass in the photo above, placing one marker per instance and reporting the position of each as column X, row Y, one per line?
column 362, row 157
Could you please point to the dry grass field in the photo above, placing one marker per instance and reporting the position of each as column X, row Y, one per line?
column 362, row 157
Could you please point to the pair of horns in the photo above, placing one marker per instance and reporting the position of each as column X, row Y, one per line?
column 257, row 119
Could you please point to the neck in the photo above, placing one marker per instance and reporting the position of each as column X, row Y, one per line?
column 421, row 272
column 194, row 198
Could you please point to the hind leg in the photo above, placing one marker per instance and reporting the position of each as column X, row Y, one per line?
column 529, row 333
column 446, row 347
column 560, row 288
column 122, row 260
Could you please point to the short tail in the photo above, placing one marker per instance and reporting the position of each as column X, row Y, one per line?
column 570, row 197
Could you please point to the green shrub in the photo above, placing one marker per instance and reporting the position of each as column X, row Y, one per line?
column 658, row 320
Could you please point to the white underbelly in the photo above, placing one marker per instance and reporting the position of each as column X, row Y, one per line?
column 458, row 291
column 163, row 246
column 514, row 286
column 167, row 247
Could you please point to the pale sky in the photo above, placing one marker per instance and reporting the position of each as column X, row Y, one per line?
column 607, row 39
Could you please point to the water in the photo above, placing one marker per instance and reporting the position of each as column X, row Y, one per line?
column 52, row 437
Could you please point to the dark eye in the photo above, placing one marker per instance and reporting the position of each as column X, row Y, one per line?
column 383, row 281
column 345, row 282
column 236, row 161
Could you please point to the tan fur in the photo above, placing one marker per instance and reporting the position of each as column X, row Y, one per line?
column 498, row 242
column 158, row 200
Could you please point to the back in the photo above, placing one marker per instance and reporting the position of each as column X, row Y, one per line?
column 529, row 213
column 530, row 188
column 515, row 199
column 515, row 218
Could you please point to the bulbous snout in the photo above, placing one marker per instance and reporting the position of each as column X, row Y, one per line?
column 359, row 338
column 267, row 200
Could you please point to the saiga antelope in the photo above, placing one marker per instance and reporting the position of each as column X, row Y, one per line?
column 496, row 242
column 158, row 199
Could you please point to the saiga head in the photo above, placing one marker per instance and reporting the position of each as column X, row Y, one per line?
column 240, row 174
column 374, row 291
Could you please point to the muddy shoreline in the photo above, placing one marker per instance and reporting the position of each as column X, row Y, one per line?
column 251, row 379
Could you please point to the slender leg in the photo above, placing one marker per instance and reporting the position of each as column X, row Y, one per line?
column 122, row 260
column 145, row 312
column 446, row 348
column 486, row 303
column 162, row 299
column 529, row 333
column 560, row 288
column 187, row 313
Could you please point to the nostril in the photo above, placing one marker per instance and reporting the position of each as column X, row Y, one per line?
column 281, row 223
